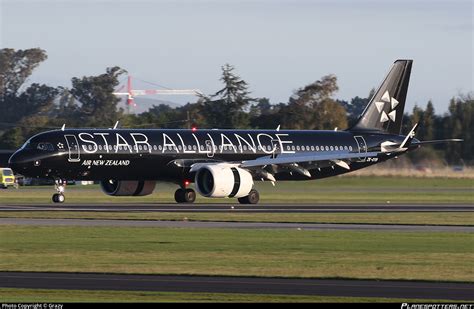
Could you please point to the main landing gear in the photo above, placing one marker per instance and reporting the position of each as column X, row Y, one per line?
column 60, row 186
column 183, row 195
column 187, row 196
column 252, row 198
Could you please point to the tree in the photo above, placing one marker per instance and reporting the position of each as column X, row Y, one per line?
column 227, row 107
column 355, row 107
column 16, row 66
column 312, row 107
column 429, row 121
column 265, row 115
column 98, row 103
column 459, row 123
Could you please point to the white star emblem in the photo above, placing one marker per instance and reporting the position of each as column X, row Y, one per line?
column 60, row 145
column 384, row 117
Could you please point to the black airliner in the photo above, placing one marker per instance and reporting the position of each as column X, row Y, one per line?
column 221, row 163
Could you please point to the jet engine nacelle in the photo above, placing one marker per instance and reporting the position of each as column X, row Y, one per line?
column 223, row 180
column 127, row 187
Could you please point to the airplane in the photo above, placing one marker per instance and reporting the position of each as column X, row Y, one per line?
column 221, row 163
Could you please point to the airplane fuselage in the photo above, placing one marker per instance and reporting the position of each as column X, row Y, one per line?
column 167, row 155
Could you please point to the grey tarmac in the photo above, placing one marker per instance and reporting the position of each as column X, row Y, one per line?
column 230, row 207
column 244, row 285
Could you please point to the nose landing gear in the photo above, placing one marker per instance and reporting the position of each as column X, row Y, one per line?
column 60, row 186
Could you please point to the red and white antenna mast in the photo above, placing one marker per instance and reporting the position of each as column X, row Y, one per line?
column 131, row 93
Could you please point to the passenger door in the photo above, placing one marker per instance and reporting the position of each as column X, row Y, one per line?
column 73, row 147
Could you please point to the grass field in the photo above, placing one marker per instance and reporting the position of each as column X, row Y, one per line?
column 421, row 218
column 274, row 253
column 331, row 190
column 42, row 296
column 432, row 256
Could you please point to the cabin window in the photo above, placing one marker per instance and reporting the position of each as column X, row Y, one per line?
column 293, row 148
column 350, row 148
column 317, row 148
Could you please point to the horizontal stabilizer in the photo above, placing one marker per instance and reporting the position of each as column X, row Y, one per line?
column 439, row 141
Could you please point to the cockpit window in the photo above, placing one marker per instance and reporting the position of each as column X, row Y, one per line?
column 26, row 145
column 45, row 146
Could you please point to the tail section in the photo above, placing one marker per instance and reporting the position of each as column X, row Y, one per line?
column 385, row 110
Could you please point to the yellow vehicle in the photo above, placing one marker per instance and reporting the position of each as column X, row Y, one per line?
column 7, row 178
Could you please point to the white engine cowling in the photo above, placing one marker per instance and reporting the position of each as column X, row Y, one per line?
column 128, row 187
column 223, row 180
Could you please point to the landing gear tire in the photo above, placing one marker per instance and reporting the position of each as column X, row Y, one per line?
column 60, row 186
column 187, row 196
column 252, row 198
column 58, row 198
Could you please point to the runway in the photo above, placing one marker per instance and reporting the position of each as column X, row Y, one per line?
column 234, row 225
column 244, row 285
column 260, row 208
column 249, row 285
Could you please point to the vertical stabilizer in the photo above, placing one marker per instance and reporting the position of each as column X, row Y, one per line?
column 385, row 110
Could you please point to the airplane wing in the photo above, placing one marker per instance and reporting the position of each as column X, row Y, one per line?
column 305, row 158
column 267, row 166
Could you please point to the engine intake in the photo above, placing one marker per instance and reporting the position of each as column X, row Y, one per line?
column 127, row 187
column 223, row 180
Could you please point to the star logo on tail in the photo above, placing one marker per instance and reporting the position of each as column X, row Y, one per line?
column 392, row 115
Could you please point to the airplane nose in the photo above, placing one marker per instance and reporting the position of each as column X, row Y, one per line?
column 12, row 161
column 15, row 162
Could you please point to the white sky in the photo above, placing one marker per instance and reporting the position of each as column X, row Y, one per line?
column 276, row 46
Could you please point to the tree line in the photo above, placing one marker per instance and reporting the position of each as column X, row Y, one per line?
column 29, row 108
